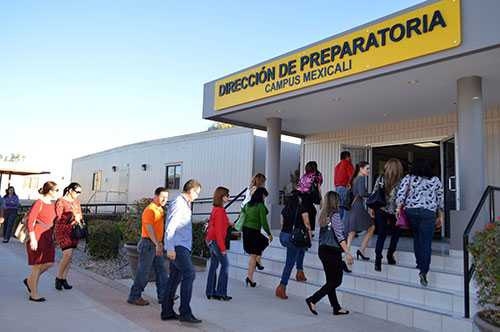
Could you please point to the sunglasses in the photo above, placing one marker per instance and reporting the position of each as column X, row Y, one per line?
column 78, row 191
column 227, row 195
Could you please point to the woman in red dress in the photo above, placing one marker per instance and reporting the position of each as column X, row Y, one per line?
column 40, row 247
column 68, row 213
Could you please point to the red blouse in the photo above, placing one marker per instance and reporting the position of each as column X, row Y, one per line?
column 65, row 210
column 45, row 215
column 218, row 227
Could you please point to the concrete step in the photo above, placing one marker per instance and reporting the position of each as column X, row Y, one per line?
column 381, row 303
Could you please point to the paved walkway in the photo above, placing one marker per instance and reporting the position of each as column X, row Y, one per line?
column 99, row 304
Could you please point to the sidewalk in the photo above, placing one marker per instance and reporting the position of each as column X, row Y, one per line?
column 99, row 304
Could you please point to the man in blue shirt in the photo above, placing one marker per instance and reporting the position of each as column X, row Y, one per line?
column 178, row 243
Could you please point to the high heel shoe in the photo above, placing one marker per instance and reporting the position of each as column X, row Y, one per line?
column 25, row 282
column 248, row 281
column 259, row 266
column 58, row 284
column 359, row 253
column 345, row 268
column 390, row 259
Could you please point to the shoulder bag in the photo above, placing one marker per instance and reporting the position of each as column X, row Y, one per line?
column 300, row 234
column 314, row 190
column 79, row 230
column 347, row 201
column 402, row 221
column 377, row 198
column 241, row 219
column 21, row 232
column 328, row 238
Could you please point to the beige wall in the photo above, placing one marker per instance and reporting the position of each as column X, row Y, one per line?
column 325, row 147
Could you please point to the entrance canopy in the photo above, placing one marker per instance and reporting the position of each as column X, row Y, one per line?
column 403, row 66
column 16, row 171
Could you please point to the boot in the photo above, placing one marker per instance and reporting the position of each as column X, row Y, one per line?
column 65, row 284
column 281, row 292
column 300, row 276
column 378, row 264
column 59, row 283
column 390, row 259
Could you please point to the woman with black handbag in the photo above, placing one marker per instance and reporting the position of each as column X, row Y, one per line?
column 310, row 187
column 68, row 214
column 331, row 246
column 293, row 214
column 389, row 181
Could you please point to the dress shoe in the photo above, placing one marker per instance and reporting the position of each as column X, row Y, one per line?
column 359, row 253
column 300, row 276
column 40, row 299
column 390, row 259
column 25, row 281
column 140, row 302
column 248, row 281
column 225, row 298
column 212, row 297
column 281, row 292
column 174, row 316
column 345, row 268
column 58, row 283
column 191, row 320
column 5, row 241
column 65, row 284
column 378, row 264
column 259, row 266
column 309, row 304
column 340, row 312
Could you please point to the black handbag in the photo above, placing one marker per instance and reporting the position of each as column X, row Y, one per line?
column 348, row 199
column 327, row 238
column 314, row 190
column 377, row 198
column 79, row 231
column 300, row 234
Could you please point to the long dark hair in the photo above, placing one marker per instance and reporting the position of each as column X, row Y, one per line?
column 292, row 201
column 258, row 196
column 331, row 206
column 7, row 191
column 73, row 186
column 421, row 167
column 360, row 165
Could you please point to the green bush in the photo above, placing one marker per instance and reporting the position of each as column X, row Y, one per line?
column 104, row 239
column 200, row 247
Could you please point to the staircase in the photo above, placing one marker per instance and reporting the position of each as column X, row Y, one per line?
column 395, row 294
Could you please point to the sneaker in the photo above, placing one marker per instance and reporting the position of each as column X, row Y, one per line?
column 423, row 279
column 140, row 302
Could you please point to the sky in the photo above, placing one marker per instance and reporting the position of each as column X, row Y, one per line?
column 83, row 76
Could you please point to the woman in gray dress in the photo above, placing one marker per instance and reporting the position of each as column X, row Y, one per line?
column 357, row 218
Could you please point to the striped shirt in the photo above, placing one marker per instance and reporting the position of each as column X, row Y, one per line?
column 335, row 223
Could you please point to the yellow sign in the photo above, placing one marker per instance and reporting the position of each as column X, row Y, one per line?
column 423, row 31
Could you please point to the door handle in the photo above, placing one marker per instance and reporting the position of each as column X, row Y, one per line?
column 450, row 187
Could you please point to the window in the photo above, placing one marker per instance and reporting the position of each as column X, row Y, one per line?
column 173, row 177
column 30, row 183
column 96, row 181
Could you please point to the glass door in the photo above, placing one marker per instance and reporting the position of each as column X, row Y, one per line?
column 359, row 153
column 449, row 178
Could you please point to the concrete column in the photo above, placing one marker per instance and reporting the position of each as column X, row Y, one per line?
column 470, row 141
column 273, row 160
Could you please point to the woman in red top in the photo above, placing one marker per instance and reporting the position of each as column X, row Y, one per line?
column 68, row 213
column 216, row 238
column 40, row 247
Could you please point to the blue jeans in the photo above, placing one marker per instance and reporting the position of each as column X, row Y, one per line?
column 10, row 216
column 294, row 255
column 341, row 191
column 422, row 223
column 181, row 272
column 381, row 220
column 148, row 260
column 216, row 257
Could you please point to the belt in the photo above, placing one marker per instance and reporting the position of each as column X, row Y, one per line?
column 39, row 223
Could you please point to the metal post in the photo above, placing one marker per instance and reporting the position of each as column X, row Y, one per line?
column 466, row 277
column 492, row 205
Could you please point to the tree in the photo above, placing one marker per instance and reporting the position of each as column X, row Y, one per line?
column 14, row 157
column 220, row 125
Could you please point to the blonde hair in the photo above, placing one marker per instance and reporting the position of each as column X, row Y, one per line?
column 258, row 180
column 393, row 172
column 330, row 207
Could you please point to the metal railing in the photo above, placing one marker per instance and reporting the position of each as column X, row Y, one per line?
column 86, row 208
column 469, row 270
column 209, row 200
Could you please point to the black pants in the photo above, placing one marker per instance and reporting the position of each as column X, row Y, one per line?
column 332, row 264
column 10, row 216
column 311, row 209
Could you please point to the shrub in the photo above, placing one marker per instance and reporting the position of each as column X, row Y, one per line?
column 485, row 255
column 200, row 247
column 104, row 239
column 131, row 222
